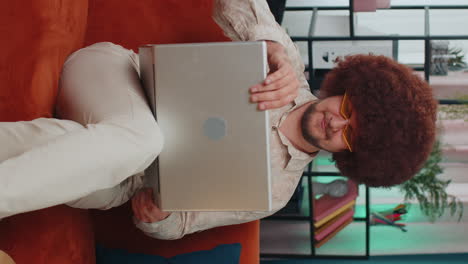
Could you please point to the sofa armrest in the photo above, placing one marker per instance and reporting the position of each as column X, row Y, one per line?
column 55, row 235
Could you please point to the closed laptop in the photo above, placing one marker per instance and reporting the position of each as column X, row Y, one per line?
column 216, row 143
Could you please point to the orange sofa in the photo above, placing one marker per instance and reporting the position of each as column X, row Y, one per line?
column 37, row 37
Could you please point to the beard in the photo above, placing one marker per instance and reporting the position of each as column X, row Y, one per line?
column 305, row 121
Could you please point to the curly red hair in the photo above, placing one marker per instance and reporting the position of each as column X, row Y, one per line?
column 396, row 114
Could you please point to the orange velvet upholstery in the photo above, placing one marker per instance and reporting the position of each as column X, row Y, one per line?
column 134, row 23
column 115, row 229
column 56, row 235
column 37, row 36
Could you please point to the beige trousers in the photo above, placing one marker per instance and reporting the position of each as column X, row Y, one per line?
column 5, row 258
column 106, row 133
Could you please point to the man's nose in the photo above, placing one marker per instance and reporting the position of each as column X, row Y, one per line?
column 337, row 124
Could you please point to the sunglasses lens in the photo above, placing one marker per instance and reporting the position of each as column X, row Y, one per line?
column 347, row 132
column 345, row 107
column 346, row 112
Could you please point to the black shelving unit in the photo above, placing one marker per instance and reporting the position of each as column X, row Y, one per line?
column 309, row 174
column 427, row 37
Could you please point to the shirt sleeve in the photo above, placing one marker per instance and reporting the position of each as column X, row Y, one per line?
column 111, row 197
column 251, row 20
column 178, row 224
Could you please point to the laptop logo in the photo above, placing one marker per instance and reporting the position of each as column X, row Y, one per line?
column 214, row 128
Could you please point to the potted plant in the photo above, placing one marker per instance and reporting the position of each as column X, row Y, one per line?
column 430, row 191
column 457, row 60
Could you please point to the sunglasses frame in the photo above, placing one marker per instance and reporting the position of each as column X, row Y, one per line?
column 345, row 129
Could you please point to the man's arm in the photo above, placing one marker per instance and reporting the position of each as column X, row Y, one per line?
column 251, row 20
column 281, row 85
column 163, row 225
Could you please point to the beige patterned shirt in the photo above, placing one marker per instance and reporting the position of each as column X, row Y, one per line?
column 250, row 20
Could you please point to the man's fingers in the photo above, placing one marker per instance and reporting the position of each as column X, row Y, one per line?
column 152, row 213
column 148, row 206
column 277, row 103
column 271, row 79
column 271, row 95
column 136, row 206
column 144, row 207
column 282, row 71
column 140, row 205
column 135, row 209
column 277, row 90
column 281, row 85
column 143, row 212
column 278, row 84
column 280, row 94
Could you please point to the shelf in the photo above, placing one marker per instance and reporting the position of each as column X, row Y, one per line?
column 281, row 225
column 438, row 7
column 300, row 226
column 381, row 37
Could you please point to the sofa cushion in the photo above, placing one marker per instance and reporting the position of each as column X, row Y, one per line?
column 133, row 23
column 56, row 235
column 37, row 36
column 226, row 254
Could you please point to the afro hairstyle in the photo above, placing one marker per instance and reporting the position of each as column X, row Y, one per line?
column 396, row 115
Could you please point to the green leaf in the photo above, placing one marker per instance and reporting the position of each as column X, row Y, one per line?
column 430, row 191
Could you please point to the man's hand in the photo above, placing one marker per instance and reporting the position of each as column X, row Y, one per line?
column 145, row 209
column 281, row 84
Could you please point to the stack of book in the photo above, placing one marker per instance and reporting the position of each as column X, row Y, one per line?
column 332, row 214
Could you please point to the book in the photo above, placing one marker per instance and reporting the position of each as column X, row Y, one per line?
column 335, row 213
column 333, row 224
column 326, row 205
column 331, row 235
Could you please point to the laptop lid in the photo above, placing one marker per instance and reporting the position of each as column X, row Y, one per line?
column 216, row 148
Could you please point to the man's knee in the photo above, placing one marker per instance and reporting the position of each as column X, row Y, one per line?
column 147, row 135
column 152, row 139
column 111, row 197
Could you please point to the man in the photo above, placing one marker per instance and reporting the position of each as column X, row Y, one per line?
column 375, row 115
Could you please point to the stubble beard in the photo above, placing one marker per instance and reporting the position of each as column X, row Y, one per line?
column 305, row 120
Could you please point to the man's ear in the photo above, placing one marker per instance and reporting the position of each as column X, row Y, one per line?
column 5, row 258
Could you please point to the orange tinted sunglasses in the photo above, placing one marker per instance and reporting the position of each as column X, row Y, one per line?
column 346, row 111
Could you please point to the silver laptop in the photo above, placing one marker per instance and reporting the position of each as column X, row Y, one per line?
column 216, row 143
